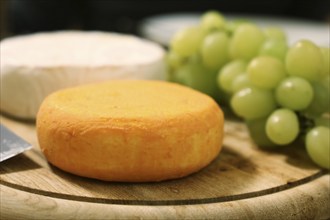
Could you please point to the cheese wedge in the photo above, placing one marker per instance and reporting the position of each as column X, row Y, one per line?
column 33, row 66
column 130, row 130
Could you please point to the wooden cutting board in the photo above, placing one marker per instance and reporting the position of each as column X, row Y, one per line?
column 244, row 182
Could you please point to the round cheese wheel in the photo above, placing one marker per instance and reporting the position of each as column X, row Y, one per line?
column 33, row 66
column 130, row 130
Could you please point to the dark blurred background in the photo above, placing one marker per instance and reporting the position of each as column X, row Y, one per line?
column 26, row 16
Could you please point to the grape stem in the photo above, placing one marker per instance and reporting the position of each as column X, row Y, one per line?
column 305, row 123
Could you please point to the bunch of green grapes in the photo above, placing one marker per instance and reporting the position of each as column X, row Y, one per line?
column 197, row 53
column 282, row 92
column 283, row 99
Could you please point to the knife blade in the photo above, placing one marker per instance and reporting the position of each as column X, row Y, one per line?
column 11, row 144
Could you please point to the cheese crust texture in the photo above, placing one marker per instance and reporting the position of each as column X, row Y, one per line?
column 33, row 66
column 130, row 130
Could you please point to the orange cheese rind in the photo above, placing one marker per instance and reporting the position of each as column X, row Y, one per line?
column 130, row 130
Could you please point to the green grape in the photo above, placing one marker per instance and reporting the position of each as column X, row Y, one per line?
column 196, row 76
column 326, row 83
column 294, row 93
column 266, row 72
column 214, row 50
column 326, row 61
column 174, row 60
column 276, row 33
column 318, row 144
column 322, row 121
column 231, row 26
column 257, row 131
column 282, row 126
column 252, row 103
column 187, row 41
column 229, row 72
column 305, row 60
column 212, row 20
column 320, row 102
column 275, row 48
column 246, row 42
column 241, row 81
column 171, row 76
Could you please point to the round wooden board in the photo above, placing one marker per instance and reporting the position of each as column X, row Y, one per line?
column 243, row 182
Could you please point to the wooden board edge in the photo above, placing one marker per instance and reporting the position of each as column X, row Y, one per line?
column 306, row 201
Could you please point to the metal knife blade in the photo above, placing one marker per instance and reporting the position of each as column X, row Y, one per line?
column 11, row 144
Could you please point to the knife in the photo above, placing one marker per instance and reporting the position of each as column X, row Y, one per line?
column 11, row 144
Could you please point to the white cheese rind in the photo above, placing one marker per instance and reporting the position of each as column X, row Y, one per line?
column 33, row 66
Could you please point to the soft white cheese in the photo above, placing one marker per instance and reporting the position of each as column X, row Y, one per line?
column 33, row 66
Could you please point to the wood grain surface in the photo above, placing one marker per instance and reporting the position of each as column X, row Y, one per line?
column 243, row 182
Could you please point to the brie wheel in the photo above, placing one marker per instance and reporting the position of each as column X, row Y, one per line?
column 33, row 66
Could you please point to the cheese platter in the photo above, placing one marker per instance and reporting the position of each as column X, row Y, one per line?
column 289, row 179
